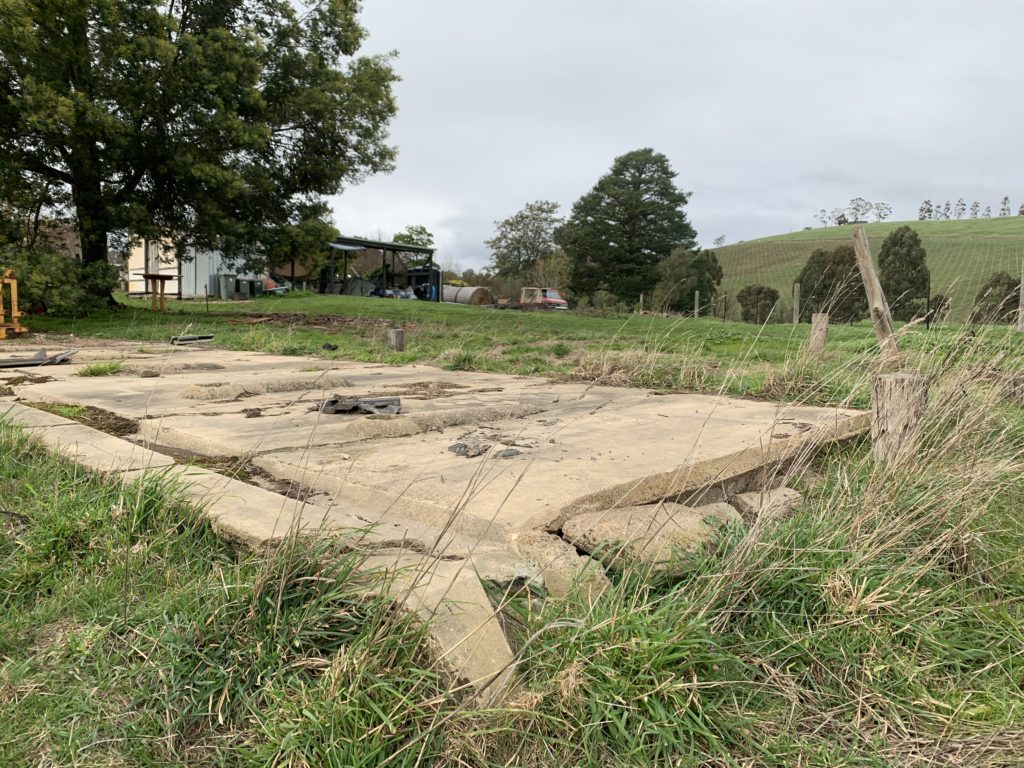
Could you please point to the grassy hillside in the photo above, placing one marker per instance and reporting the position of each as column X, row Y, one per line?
column 961, row 255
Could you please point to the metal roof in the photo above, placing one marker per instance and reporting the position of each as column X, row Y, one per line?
column 358, row 243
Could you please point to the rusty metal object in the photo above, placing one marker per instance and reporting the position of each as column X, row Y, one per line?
column 9, row 314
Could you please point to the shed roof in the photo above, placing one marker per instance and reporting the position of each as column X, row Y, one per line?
column 358, row 243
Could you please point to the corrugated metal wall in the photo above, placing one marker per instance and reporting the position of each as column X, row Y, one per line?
column 199, row 274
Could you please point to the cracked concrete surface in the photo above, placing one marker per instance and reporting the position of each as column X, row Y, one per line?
column 546, row 457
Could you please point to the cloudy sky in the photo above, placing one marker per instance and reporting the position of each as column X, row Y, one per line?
column 768, row 111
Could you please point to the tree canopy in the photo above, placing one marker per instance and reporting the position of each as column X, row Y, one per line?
column 684, row 274
column 524, row 239
column 216, row 124
column 830, row 282
column 622, row 228
column 998, row 300
column 414, row 234
column 903, row 273
column 757, row 302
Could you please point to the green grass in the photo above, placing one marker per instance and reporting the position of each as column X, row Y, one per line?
column 131, row 635
column 961, row 256
column 881, row 625
column 105, row 368
column 665, row 353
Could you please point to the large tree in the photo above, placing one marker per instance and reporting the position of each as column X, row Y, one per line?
column 414, row 234
column 903, row 273
column 625, row 226
column 830, row 282
column 217, row 123
column 524, row 238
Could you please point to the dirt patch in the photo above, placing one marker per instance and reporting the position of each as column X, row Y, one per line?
column 240, row 469
column 327, row 323
column 379, row 427
column 28, row 378
column 434, row 390
column 91, row 416
column 261, row 387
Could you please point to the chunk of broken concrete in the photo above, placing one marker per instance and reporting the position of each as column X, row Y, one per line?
column 563, row 569
column 653, row 534
column 767, row 505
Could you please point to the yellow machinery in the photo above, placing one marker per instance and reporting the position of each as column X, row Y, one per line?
column 9, row 310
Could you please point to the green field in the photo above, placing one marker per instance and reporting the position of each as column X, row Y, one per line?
column 664, row 353
column 879, row 627
column 961, row 256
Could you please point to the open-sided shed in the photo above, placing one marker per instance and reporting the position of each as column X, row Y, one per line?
column 428, row 276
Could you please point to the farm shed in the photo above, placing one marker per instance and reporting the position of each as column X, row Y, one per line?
column 192, row 277
column 395, row 269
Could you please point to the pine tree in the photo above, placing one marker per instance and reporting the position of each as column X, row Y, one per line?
column 830, row 282
column 903, row 273
column 625, row 226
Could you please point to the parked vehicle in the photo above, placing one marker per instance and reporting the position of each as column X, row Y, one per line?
column 546, row 297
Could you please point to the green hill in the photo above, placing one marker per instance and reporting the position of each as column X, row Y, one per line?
column 961, row 256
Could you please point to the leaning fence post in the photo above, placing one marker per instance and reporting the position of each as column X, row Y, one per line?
column 881, row 318
column 396, row 338
column 819, row 331
column 796, row 303
column 898, row 403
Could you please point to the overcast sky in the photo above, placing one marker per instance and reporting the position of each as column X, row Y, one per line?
column 767, row 111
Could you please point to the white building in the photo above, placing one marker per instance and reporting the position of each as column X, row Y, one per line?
column 193, row 278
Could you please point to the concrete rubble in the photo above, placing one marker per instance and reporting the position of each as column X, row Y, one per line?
column 510, row 480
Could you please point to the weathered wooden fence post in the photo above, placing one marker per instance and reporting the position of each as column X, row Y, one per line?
column 819, row 331
column 881, row 318
column 696, row 305
column 796, row 303
column 1020, row 299
column 396, row 338
column 898, row 403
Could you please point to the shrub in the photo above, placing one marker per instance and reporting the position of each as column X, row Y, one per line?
column 830, row 282
column 682, row 274
column 939, row 306
column 998, row 299
column 757, row 302
column 58, row 284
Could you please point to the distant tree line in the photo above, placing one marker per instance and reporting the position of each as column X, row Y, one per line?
column 935, row 211
column 857, row 210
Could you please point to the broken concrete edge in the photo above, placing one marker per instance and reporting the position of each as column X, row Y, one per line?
column 460, row 622
column 717, row 479
column 656, row 537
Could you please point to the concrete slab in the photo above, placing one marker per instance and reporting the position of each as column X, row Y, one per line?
column 461, row 486
column 32, row 418
column 488, row 455
column 654, row 534
column 767, row 505
column 98, row 451
column 463, row 625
